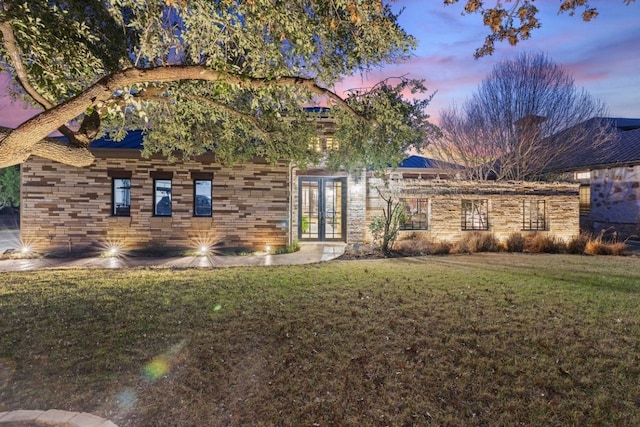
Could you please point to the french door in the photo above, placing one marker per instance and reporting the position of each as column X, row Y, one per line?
column 322, row 208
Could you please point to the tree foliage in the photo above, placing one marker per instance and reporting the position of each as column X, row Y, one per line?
column 508, row 128
column 201, row 75
column 514, row 20
column 10, row 187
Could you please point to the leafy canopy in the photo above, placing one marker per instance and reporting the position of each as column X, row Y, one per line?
column 223, row 75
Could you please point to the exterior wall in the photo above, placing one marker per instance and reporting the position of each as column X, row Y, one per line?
column 505, row 206
column 615, row 201
column 67, row 209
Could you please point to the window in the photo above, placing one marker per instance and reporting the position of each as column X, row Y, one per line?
column 585, row 199
column 534, row 215
column 202, row 197
column 416, row 214
column 475, row 214
column 323, row 143
column 162, row 197
column 121, row 196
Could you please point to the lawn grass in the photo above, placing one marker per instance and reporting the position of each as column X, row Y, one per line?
column 483, row 339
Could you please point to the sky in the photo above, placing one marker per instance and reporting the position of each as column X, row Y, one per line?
column 603, row 56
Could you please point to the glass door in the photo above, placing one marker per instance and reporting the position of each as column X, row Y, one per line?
column 321, row 213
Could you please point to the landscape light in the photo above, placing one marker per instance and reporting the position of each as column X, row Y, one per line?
column 204, row 249
column 25, row 249
column 113, row 251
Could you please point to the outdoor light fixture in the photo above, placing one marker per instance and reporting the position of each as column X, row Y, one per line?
column 267, row 249
column 25, row 249
column 204, row 249
column 113, row 251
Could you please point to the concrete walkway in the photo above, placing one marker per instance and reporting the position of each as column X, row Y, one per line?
column 309, row 253
column 53, row 417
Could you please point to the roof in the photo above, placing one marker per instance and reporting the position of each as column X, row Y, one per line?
column 419, row 162
column 623, row 149
column 132, row 141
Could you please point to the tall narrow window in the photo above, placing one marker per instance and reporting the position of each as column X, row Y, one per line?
column 416, row 214
column 475, row 214
column 534, row 215
column 585, row 199
column 162, row 197
column 202, row 197
column 121, row 196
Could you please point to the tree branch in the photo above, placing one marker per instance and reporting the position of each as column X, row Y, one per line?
column 53, row 149
column 13, row 51
column 18, row 145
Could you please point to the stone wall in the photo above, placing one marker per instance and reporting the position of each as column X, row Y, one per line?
column 505, row 205
column 67, row 209
column 615, row 202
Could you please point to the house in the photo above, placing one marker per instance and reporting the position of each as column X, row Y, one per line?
column 609, row 178
column 149, row 204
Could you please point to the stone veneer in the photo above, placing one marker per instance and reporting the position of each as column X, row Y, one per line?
column 67, row 209
column 615, row 202
column 505, row 205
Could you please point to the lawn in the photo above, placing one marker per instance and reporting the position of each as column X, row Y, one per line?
column 460, row 340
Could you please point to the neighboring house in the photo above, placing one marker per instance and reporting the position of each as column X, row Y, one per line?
column 150, row 204
column 609, row 178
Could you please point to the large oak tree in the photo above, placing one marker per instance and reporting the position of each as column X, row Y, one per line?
column 226, row 76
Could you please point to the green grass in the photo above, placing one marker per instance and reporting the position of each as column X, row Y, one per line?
column 484, row 339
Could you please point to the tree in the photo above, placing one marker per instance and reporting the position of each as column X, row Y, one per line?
column 508, row 129
column 9, row 187
column 201, row 75
column 514, row 20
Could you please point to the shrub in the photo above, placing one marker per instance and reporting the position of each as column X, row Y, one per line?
column 479, row 242
column 515, row 242
column 441, row 248
column 542, row 243
column 578, row 244
column 598, row 247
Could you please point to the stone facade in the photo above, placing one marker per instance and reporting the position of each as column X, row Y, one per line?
column 254, row 205
column 505, row 210
column 615, row 202
column 67, row 209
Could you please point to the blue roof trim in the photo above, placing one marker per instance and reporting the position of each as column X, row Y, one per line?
column 419, row 162
column 133, row 141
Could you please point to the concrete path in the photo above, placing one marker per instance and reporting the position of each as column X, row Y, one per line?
column 53, row 417
column 309, row 253
column 9, row 239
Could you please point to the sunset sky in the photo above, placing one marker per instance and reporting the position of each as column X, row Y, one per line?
column 603, row 55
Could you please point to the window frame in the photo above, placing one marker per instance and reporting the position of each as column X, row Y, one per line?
column 471, row 205
column 529, row 223
column 584, row 199
column 195, row 197
column 423, row 207
column 155, row 197
column 120, row 210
